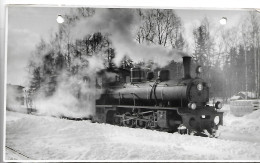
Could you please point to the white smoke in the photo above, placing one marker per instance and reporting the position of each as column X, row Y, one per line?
column 119, row 23
column 74, row 95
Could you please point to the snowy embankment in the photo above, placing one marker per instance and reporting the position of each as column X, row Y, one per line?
column 245, row 128
column 48, row 138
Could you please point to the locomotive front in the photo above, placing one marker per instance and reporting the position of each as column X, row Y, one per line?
column 198, row 116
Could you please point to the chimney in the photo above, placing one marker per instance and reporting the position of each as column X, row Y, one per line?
column 186, row 66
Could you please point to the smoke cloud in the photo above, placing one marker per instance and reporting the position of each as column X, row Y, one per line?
column 120, row 24
column 74, row 95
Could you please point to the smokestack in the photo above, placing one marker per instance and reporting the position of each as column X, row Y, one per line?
column 186, row 66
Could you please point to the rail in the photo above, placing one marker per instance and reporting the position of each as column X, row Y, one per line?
column 19, row 153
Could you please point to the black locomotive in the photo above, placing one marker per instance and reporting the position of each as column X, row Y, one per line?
column 136, row 99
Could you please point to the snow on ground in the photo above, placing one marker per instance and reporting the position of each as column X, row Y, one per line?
column 246, row 128
column 48, row 138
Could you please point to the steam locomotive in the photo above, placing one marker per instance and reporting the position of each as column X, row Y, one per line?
column 136, row 98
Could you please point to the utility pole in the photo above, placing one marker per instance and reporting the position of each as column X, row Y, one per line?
column 255, row 65
column 258, row 68
column 246, row 67
column 258, row 72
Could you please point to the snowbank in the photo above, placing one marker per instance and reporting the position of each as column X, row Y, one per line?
column 245, row 128
column 47, row 138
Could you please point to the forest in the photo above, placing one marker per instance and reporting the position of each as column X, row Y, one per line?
column 230, row 57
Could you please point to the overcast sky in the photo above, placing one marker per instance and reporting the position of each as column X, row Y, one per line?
column 26, row 25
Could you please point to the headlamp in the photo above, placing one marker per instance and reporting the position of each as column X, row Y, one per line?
column 216, row 120
column 192, row 106
column 200, row 87
column 199, row 70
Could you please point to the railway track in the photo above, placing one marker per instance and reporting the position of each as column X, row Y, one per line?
column 17, row 155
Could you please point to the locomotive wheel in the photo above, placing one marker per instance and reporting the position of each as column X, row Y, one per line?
column 150, row 124
column 193, row 133
column 214, row 133
column 127, row 121
column 117, row 120
column 140, row 124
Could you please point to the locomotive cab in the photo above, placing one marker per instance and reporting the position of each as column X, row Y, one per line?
column 164, row 75
column 139, row 75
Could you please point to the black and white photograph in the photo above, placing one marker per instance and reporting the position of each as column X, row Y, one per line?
column 132, row 84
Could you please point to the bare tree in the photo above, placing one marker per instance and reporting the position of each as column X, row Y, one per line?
column 250, row 39
column 254, row 20
column 65, row 29
column 161, row 27
column 204, row 46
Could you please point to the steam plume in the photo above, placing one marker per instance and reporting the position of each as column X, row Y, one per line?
column 74, row 95
column 119, row 23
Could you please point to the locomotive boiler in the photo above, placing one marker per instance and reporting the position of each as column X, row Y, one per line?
column 136, row 98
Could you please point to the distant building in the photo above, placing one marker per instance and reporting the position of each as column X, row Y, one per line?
column 14, row 95
column 243, row 95
column 244, row 103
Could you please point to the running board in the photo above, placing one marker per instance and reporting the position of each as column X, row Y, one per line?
column 137, row 107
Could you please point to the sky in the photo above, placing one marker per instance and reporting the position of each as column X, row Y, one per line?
column 27, row 25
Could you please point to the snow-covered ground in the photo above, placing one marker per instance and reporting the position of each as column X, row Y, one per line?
column 245, row 128
column 48, row 138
